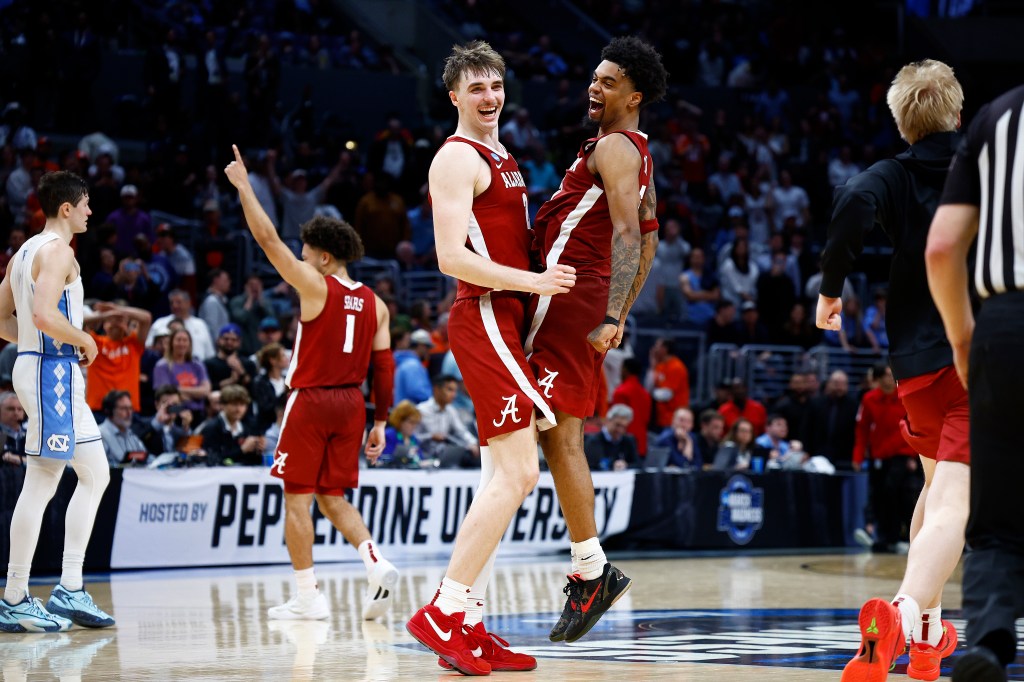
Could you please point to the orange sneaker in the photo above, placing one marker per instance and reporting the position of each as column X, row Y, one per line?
column 881, row 643
column 926, row 660
column 494, row 650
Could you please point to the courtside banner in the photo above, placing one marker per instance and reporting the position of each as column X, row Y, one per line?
column 225, row 516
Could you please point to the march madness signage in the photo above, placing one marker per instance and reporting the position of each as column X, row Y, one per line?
column 207, row 517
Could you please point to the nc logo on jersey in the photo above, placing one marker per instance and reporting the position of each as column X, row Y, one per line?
column 740, row 509
column 59, row 442
column 548, row 382
column 510, row 411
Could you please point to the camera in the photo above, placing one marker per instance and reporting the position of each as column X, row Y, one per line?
column 176, row 409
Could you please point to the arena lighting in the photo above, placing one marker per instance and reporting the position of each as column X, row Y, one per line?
column 351, row 145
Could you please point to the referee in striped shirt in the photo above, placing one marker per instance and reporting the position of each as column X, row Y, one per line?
column 984, row 200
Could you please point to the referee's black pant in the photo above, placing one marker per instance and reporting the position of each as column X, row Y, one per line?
column 993, row 587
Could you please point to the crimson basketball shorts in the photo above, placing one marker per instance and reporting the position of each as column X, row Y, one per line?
column 936, row 424
column 567, row 367
column 321, row 433
column 486, row 338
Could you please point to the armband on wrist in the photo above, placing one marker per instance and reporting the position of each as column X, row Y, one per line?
column 611, row 320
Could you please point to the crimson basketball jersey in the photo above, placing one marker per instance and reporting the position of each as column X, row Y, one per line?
column 333, row 349
column 499, row 225
column 574, row 226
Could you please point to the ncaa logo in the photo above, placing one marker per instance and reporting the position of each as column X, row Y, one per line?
column 59, row 442
column 740, row 509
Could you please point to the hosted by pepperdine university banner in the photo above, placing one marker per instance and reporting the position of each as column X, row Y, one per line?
column 225, row 516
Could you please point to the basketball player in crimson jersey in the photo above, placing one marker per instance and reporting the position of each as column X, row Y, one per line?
column 342, row 326
column 483, row 239
column 601, row 221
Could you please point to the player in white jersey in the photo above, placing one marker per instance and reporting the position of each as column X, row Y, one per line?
column 43, row 286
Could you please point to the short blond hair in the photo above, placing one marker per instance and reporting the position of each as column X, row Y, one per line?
column 925, row 98
column 402, row 411
column 475, row 58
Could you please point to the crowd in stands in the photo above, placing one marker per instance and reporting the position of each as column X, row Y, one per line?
column 744, row 192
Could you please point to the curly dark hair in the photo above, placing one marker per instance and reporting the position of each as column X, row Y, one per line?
column 641, row 64
column 57, row 188
column 333, row 236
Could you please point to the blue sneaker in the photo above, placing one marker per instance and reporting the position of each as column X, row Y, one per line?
column 79, row 607
column 28, row 615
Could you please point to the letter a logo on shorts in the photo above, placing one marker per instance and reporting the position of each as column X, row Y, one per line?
column 279, row 462
column 59, row 442
column 510, row 411
column 548, row 382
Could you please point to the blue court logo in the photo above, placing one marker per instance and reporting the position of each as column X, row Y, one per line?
column 740, row 509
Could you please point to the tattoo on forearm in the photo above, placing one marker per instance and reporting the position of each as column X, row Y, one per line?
column 625, row 262
column 649, row 206
column 648, row 247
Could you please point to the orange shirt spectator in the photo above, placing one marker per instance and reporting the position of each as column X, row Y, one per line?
column 878, row 427
column 118, row 363
column 668, row 381
column 742, row 406
column 631, row 392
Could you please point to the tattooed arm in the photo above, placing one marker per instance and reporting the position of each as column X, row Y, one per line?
column 617, row 161
column 648, row 246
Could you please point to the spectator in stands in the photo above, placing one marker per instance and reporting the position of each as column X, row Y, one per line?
column 122, row 445
column 737, row 451
column 842, row 167
column 214, row 308
column 401, row 446
column 709, row 439
column 632, row 393
column 298, row 201
column 794, row 404
column 229, row 438
column 895, row 476
column 391, row 153
column 797, row 330
column 680, row 440
column 542, row 178
column 15, row 238
column 421, row 229
column 199, row 333
column 129, row 221
column 724, row 184
column 776, row 294
column 441, row 431
column 170, row 425
column 20, row 185
column 739, row 274
column 829, row 425
column 273, row 433
column 874, row 322
column 668, row 380
column 742, row 406
column 701, row 291
column 181, row 260
column 118, row 364
column 259, row 178
column 852, row 334
column 229, row 367
column 612, row 448
column 269, row 385
column 519, row 134
column 751, row 329
column 270, row 332
column 722, row 328
column 412, row 382
column 774, row 439
column 381, row 219
column 12, row 427
column 791, row 201
column 248, row 309
column 180, row 368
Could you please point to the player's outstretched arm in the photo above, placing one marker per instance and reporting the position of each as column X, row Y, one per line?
column 306, row 280
column 383, row 381
column 50, row 280
column 455, row 173
column 617, row 161
column 8, row 322
column 953, row 230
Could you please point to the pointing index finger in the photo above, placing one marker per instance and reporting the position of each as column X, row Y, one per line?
column 238, row 156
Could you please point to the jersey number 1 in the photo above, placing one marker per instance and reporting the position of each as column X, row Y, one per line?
column 350, row 328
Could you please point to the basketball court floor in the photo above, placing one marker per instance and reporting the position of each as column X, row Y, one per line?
column 722, row 618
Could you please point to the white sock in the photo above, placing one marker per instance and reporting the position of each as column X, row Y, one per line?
column 306, row 581
column 590, row 558
column 369, row 553
column 71, row 571
column 930, row 628
column 910, row 610
column 474, row 608
column 17, row 583
column 451, row 596
column 575, row 559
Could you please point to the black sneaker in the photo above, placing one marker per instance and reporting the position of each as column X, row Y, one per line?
column 572, row 600
column 979, row 664
column 595, row 597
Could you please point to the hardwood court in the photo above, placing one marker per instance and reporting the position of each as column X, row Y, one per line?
column 735, row 618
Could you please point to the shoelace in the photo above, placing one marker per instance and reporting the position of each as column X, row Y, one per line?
column 573, row 590
column 489, row 640
column 35, row 608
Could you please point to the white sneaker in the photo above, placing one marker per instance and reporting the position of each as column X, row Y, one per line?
column 383, row 578
column 863, row 538
column 297, row 608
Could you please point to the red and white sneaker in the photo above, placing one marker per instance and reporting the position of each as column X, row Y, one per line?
column 882, row 642
column 926, row 660
column 494, row 650
column 443, row 634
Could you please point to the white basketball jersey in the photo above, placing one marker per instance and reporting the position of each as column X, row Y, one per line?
column 30, row 339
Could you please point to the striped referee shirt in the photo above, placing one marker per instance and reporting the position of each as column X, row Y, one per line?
column 988, row 172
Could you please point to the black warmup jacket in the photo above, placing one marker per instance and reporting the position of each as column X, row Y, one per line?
column 900, row 194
